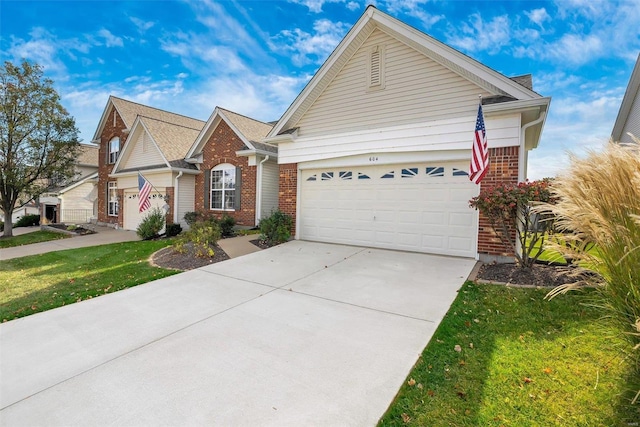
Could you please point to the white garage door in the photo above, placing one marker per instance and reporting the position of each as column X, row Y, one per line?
column 413, row 207
column 132, row 217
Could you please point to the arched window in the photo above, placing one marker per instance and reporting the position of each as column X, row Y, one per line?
column 223, row 187
column 114, row 149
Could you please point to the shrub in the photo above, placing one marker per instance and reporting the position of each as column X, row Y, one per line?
column 227, row 223
column 151, row 224
column 203, row 235
column 508, row 209
column 71, row 227
column 27, row 221
column 599, row 202
column 191, row 217
column 276, row 228
column 173, row 230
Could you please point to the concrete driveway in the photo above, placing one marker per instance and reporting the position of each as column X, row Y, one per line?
column 300, row 334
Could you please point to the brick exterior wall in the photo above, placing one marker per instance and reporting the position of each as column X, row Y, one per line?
column 288, row 191
column 503, row 170
column 221, row 148
column 104, row 168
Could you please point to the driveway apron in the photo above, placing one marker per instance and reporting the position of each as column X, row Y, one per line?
column 300, row 334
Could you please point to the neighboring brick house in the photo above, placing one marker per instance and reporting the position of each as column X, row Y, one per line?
column 239, row 173
column 375, row 150
column 212, row 167
column 136, row 138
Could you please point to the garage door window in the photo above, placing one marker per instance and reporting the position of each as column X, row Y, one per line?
column 223, row 187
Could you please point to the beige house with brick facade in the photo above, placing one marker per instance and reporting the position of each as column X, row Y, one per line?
column 136, row 138
column 215, row 167
column 239, row 174
column 375, row 150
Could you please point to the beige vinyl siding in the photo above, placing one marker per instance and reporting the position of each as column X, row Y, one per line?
column 632, row 125
column 449, row 134
column 270, row 177
column 76, row 200
column 83, row 171
column 162, row 179
column 143, row 153
column 417, row 89
column 186, row 197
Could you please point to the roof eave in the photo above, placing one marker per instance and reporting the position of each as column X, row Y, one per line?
column 627, row 102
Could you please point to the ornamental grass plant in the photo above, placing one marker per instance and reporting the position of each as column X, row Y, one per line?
column 598, row 201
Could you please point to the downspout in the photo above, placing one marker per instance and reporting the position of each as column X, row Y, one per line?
column 176, row 193
column 522, row 156
column 259, row 190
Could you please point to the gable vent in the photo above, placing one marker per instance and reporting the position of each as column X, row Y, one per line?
column 376, row 68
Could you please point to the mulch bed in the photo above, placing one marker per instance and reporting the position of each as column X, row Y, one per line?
column 79, row 230
column 262, row 244
column 169, row 258
column 542, row 275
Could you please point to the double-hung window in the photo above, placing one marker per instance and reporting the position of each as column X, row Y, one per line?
column 114, row 149
column 223, row 187
column 112, row 198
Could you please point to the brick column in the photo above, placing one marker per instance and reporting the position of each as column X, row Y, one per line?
column 288, row 191
column 503, row 170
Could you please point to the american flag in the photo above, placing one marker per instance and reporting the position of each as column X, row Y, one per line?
column 480, row 151
column 144, row 189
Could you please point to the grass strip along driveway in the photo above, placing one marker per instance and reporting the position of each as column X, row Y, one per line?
column 29, row 238
column 506, row 357
column 38, row 283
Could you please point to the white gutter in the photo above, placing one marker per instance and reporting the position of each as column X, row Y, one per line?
column 522, row 161
column 259, row 189
column 176, row 193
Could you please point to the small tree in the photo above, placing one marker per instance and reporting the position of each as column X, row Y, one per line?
column 38, row 138
column 508, row 209
column 151, row 224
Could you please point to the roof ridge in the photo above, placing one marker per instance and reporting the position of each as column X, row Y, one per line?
column 171, row 123
column 245, row 116
column 153, row 108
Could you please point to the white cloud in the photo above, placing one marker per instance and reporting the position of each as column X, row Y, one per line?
column 538, row 16
column 47, row 50
column 315, row 6
column 353, row 6
column 478, row 35
column 414, row 8
column 141, row 25
column 109, row 39
column 309, row 48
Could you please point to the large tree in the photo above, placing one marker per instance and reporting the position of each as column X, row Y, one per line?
column 38, row 137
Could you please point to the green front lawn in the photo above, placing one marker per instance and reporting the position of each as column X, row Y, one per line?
column 522, row 361
column 29, row 238
column 41, row 282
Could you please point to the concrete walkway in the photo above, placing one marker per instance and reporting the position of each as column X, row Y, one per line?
column 234, row 246
column 300, row 334
column 104, row 235
column 239, row 246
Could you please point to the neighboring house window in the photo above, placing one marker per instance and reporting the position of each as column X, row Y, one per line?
column 114, row 149
column 112, row 198
column 223, row 187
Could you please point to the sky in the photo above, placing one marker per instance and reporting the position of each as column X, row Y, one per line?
column 254, row 57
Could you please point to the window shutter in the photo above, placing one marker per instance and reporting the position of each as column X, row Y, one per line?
column 207, row 189
column 238, row 187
